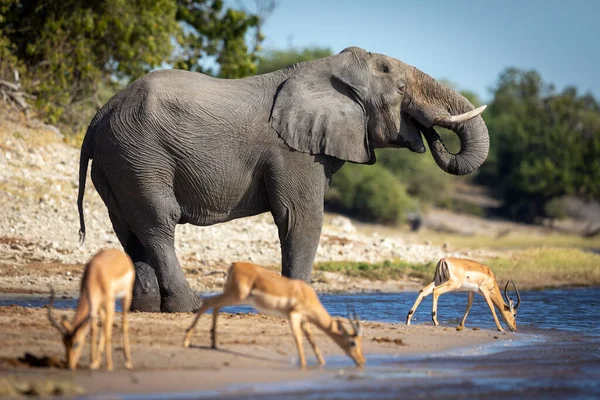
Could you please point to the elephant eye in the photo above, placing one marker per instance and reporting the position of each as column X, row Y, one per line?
column 385, row 69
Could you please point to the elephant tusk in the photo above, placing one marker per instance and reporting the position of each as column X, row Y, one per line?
column 457, row 119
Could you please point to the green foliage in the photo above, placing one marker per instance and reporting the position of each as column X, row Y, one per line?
column 554, row 208
column 543, row 144
column 274, row 60
column 74, row 54
column 370, row 192
column 68, row 47
column 8, row 61
column 420, row 174
column 209, row 30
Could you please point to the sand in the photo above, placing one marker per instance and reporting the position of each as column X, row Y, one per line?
column 252, row 348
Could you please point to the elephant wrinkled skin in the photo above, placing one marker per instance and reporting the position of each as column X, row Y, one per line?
column 178, row 147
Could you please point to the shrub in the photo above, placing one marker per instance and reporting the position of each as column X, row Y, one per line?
column 369, row 192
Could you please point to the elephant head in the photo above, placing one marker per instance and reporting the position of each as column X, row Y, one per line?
column 348, row 104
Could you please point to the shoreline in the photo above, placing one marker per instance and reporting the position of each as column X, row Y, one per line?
column 254, row 349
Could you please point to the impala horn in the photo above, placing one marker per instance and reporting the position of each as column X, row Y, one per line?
column 510, row 300
column 354, row 321
column 51, row 318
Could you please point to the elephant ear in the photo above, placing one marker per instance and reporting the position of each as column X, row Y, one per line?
column 319, row 109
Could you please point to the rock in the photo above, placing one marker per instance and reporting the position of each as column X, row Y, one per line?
column 343, row 223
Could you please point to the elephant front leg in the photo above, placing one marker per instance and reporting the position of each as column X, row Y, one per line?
column 299, row 236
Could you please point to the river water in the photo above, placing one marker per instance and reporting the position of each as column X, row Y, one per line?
column 554, row 355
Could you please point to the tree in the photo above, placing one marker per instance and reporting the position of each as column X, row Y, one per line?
column 72, row 54
column 68, row 47
column 209, row 30
column 274, row 60
column 543, row 144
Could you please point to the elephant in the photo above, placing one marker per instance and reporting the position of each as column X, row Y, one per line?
column 177, row 147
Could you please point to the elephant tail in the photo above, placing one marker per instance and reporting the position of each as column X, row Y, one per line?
column 87, row 153
column 84, row 160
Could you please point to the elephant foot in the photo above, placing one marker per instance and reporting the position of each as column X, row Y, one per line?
column 146, row 294
column 186, row 301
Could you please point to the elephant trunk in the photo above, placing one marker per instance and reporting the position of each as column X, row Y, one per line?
column 435, row 104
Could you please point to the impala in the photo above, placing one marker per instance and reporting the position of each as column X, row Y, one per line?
column 293, row 299
column 460, row 274
column 109, row 275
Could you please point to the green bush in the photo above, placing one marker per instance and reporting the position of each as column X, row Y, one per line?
column 369, row 192
column 419, row 173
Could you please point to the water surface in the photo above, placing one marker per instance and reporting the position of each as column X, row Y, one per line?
column 554, row 355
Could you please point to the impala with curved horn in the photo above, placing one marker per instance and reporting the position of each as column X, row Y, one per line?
column 293, row 299
column 108, row 276
column 460, row 274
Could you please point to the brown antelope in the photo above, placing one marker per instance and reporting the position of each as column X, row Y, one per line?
column 460, row 274
column 293, row 299
column 109, row 275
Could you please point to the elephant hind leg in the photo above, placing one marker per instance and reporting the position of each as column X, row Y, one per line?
column 153, row 224
column 146, row 294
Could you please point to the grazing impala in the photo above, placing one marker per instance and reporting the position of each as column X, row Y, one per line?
column 293, row 299
column 459, row 274
column 109, row 275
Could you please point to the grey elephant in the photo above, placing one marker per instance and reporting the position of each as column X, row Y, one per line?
column 178, row 147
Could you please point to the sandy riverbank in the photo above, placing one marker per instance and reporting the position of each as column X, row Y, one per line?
column 252, row 349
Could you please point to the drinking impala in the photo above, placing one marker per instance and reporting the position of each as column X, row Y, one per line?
column 109, row 275
column 293, row 299
column 460, row 274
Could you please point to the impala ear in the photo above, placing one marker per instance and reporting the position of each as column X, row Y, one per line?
column 319, row 109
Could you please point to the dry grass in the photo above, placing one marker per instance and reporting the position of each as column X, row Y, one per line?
column 516, row 240
column 534, row 268
column 14, row 125
column 548, row 267
column 382, row 271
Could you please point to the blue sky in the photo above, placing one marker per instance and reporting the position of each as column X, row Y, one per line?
column 468, row 42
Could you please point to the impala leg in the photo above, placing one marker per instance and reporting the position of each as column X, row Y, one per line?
column 215, row 303
column 295, row 323
column 488, row 300
column 469, row 304
column 311, row 339
column 97, row 360
column 126, row 303
column 437, row 292
column 426, row 291
column 108, row 323
column 213, row 328
column 94, row 343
